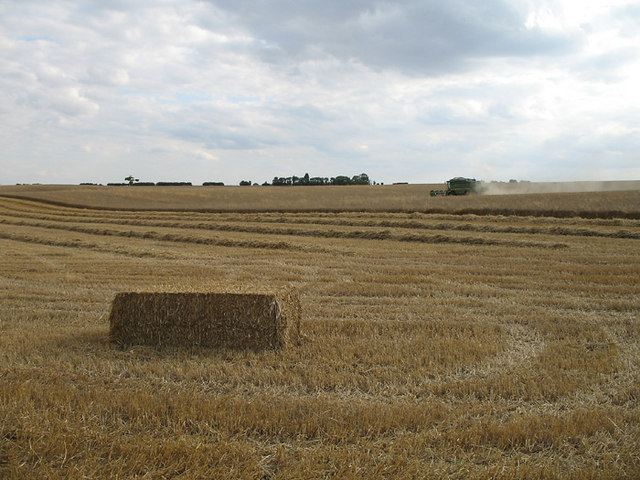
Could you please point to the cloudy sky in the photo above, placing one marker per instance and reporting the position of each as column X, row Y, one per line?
column 405, row 90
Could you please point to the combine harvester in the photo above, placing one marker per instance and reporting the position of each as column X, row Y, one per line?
column 457, row 186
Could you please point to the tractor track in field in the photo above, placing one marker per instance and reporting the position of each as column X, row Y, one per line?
column 166, row 237
column 324, row 233
column 234, row 226
column 324, row 218
column 239, row 224
column 77, row 244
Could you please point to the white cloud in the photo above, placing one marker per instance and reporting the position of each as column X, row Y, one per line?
column 224, row 90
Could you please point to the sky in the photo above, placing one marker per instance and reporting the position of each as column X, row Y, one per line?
column 412, row 91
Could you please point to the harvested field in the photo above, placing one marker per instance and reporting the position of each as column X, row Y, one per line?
column 434, row 344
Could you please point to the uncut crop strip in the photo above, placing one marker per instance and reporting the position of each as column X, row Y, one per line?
column 589, row 205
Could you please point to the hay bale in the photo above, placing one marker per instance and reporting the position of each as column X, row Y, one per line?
column 234, row 320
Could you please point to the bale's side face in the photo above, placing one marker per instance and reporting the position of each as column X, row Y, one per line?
column 235, row 320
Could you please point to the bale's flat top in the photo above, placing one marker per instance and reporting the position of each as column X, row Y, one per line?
column 199, row 294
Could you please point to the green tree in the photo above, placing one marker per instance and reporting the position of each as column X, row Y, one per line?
column 362, row 179
column 341, row 180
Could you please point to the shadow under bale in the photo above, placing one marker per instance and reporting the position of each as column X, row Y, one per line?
column 204, row 319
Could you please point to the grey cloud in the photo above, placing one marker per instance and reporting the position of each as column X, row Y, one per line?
column 580, row 145
column 414, row 36
column 108, row 76
column 217, row 127
column 67, row 101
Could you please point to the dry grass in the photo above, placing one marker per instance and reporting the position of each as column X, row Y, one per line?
column 435, row 346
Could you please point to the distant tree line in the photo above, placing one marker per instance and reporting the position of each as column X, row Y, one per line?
column 362, row 179
column 151, row 184
column 305, row 180
column 159, row 184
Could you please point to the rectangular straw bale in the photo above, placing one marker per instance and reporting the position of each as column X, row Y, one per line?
column 206, row 319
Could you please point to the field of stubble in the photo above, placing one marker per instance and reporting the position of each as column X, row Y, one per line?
column 435, row 346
